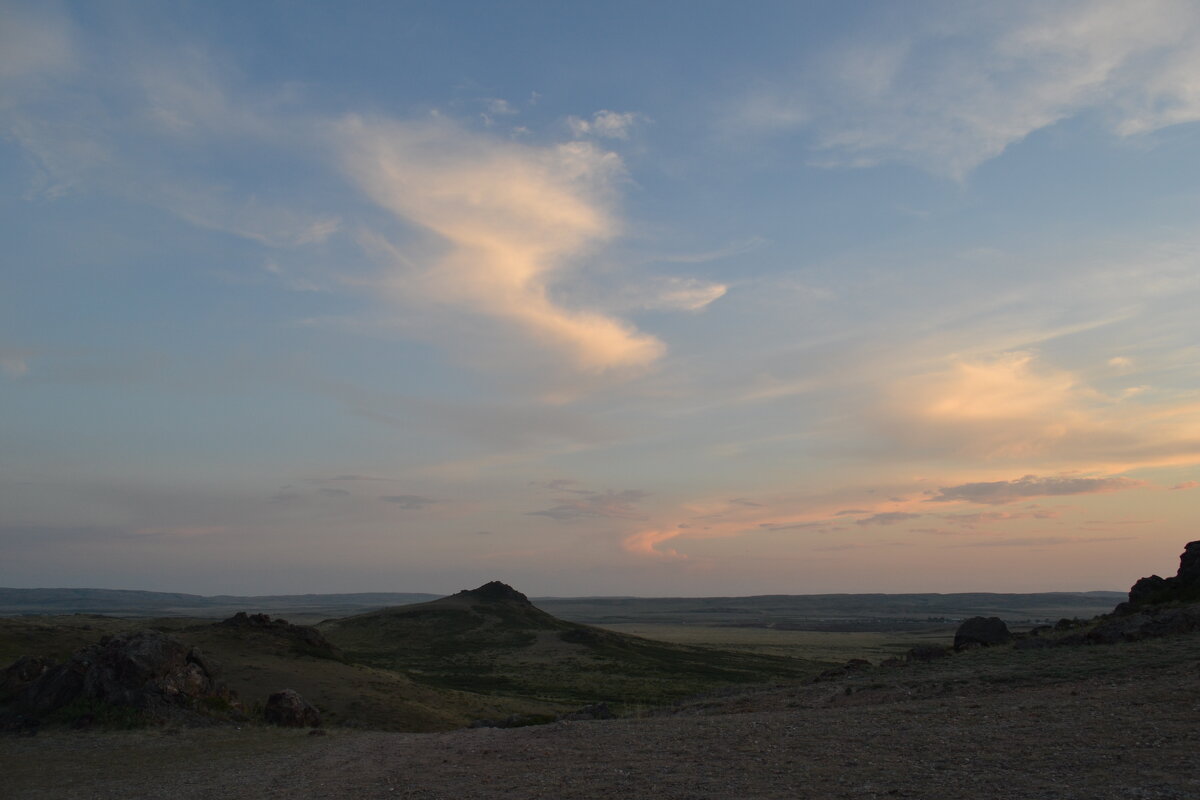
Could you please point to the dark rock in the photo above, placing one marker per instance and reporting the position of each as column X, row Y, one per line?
column 927, row 652
column 981, row 632
column 857, row 665
column 22, row 672
column 495, row 591
column 289, row 710
column 1149, row 623
column 148, row 671
column 1146, row 590
column 1184, row 587
column 304, row 639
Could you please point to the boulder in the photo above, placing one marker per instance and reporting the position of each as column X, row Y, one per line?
column 981, row 632
column 148, row 671
column 22, row 672
column 289, row 710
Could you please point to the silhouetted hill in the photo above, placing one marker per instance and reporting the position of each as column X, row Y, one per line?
column 493, row 639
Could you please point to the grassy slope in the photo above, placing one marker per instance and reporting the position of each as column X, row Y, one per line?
column 256, row 663
column 514, row 649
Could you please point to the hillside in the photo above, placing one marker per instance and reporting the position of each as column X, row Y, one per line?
column 493, row 639
column 258, row 660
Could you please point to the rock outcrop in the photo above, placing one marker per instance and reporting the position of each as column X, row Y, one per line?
column 289, row 710
column 303, row 639
column 981, row 632
column 1157, row 591
column 147, row 671
column 495, row 591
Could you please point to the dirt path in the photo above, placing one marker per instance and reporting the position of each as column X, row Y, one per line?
column 1134, row 736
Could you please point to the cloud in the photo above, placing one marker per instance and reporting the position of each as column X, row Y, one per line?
column 1043, row 541
column 887, row 518
column 646, row 543
column 988, row 517
column 609, row 504
column 514, row 218
column 676, row 294
column 947, row 87
column 605, row 124
column 409, row 502
column 1012, row 408
column 34, row 42
column 1185, row 485
column 1000, row 492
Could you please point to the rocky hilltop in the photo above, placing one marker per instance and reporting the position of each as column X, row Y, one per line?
column 1157, row 591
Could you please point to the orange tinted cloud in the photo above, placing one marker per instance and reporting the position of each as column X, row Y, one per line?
column 514, row 217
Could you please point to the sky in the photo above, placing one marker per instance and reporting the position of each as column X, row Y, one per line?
column 615, row 298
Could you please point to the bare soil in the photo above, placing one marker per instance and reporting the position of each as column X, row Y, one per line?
column 1097, row 723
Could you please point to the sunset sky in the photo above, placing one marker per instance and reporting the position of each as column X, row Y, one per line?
column 653, row 298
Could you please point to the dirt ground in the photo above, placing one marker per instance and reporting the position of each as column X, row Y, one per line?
column 1129, row 733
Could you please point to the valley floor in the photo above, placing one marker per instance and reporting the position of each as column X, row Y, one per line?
column 1106, row 722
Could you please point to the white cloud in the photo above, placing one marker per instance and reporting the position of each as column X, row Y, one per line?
column 605, row 124
column 672, row 294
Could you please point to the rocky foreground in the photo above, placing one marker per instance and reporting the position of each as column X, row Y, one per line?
column 1108, row 711
column 1115, row 721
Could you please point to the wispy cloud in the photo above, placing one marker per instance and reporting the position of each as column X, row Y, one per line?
column 409, row 502
column 514, row 219
column 1013, row 408
column 949, row 86
column 605, row 124
column 1000, row 492
column 610, row 504
column 888, row 518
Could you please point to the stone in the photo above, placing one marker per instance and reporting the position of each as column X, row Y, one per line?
column 289, row 710
column 22, row 672
column 981, row 632
column 147, row 670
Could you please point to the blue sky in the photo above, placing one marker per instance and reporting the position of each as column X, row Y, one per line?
column 612, row 298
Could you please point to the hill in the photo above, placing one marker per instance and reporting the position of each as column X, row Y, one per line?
column 256, row 660
column 493, row 639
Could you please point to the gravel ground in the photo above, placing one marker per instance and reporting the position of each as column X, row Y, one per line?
column 1130, row 735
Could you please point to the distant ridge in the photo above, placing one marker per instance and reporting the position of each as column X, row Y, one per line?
column 137, row 603
column 807, row 611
